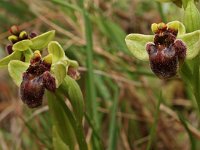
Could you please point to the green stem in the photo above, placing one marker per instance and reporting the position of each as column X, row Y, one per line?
column 91, row 103
column 153, row 128
column 113, row 123
column 196, row 83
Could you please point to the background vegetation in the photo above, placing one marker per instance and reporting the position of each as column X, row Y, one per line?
column 127, row 106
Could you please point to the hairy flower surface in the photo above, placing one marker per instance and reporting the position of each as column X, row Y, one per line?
column 166, row 53
column 167, row 49
column 36, row 79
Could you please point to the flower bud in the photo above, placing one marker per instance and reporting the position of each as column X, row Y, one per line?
column 9, row 49
column 14, row 30
column 73, row 72
column 13, row 39
column 32, row 35
column 23, row 35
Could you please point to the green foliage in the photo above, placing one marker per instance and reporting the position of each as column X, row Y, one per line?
column 60, row 120
column 16, row 69
column 14, row 56
column 71, row 90
column 41, row 41
column 56, row 50
column 22, row 45
column 58, row 144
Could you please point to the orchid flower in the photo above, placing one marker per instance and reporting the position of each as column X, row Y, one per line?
column 167, row 49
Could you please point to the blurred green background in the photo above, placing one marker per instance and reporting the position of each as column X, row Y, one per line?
column 126, row 90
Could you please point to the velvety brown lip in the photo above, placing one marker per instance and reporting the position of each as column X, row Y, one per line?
column 166, row 53
column 36, row 79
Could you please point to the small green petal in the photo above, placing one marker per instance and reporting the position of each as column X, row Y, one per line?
column 177, row 26
column 48, row 58
column 56, row 50
column 59, row 71
column 22, row 45
column 41, row 41
column 16, row 55
column 192, row 41
column 136, row 43
column 16, row 69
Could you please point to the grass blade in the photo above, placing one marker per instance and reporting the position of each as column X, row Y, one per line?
column 113, row 123
column 192, row 140
column 153, row 128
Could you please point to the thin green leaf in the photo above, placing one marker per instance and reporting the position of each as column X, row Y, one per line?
column 14, row 56
column 16, row 69
column 56, row 50
column 41, row 41
column 60, row 119
column 196, row 80
column 113, row 123
column 59, row 71
column 191, row 17
column 91, row 90
column 192, row 139
column 137, row 45
column 153, row 128
column 22, row 45
column 76, row 125
column 71, row 89
column 192, row 41
column 58, row 144
column 67, row 4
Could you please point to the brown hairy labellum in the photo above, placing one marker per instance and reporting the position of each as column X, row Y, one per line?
column 166, row 53
column 36, row 79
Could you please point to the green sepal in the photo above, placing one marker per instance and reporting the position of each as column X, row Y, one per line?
column 136, row 43
column 192, row 41
column 16, row 55
column 22, row 45
column 41, row 41
column 56, row 50
column 16, row 69
column 59, row 71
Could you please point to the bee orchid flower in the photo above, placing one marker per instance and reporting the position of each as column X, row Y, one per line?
column 167, row 49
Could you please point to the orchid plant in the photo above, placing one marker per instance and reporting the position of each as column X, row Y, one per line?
column 172, row 51
column 55, row 72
